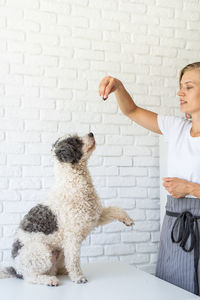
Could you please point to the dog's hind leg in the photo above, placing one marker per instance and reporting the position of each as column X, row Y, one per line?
column 112, row 213
column 72, row 248
column 42, row 279
column 35, row 263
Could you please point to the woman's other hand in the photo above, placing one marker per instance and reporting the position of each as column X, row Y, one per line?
column 176, row 187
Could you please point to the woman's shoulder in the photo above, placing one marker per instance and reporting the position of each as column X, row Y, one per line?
column 172, row 125
column 173, row 120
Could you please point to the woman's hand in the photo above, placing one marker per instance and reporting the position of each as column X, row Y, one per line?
column 108, row 85
column 176, row 187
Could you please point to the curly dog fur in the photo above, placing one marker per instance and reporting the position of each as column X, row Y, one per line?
column 48, row 240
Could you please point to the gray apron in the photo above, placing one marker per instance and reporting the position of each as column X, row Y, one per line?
column 178, row 257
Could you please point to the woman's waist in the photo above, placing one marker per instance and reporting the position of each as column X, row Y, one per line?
column 183, row 204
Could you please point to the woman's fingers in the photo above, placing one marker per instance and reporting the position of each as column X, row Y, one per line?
column 108, row 89
column 103, row 84
column 107, row 86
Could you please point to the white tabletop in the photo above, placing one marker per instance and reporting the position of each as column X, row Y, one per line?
column 105, row 281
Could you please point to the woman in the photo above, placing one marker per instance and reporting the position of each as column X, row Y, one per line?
column 179, row 246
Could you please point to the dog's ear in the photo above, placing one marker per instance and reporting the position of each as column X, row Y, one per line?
column 65, row 154
column 68, row 153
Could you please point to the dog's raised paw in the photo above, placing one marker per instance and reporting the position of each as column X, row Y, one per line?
column 82, row 280
column 128, row 221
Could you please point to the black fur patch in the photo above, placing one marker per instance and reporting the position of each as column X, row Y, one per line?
column 69, row 150
column 13, row 272
column 16, row 246
column 53, row 146
column 39, row 219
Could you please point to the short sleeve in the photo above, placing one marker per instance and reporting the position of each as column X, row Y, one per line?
column 170, row 126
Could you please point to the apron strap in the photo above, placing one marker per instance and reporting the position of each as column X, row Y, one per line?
column 186, row 225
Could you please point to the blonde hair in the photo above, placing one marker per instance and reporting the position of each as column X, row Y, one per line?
column 195, row 65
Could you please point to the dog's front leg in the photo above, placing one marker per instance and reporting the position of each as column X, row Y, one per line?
column 72, row 258
column 112, row 213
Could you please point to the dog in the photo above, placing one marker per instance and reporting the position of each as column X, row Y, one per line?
column 48, row 240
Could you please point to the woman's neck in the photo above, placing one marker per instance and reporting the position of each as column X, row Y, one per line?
column 195, row 130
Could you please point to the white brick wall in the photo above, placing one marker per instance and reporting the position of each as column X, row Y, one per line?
column 53, row 55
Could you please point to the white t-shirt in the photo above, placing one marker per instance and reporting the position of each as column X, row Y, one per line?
column 183, row 149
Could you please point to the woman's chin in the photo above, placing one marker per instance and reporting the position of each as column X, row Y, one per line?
column 182, row 109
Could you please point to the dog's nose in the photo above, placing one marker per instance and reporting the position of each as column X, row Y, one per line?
column 91, row 134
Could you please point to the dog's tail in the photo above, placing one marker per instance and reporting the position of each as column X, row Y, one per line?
column 9, row 272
